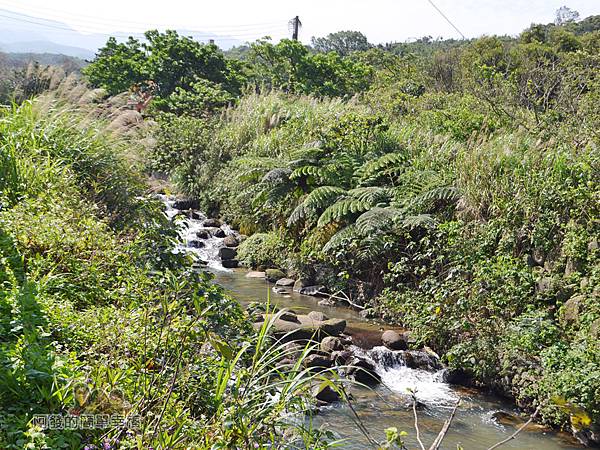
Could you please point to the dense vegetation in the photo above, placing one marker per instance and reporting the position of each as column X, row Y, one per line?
column 453, row 186
column 449, row 186
column 97, row 316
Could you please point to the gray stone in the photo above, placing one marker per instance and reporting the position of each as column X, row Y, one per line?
column 317, row 315
column 219, row 233
column 363, row 371
column 230, row 263
column 230, row 241
column 394, row 340
column 305, row 328
column 571, row 309
column 325, row 394
column 330, row 344
column 417, row 359
column 545, row 284
column 286, row 282
column 227, row 253
column 368, row 313
column 274, row 275
column 316, row 361
column 202, row 234
column 311, row 290
column 255, row 274
column 300, row 283
column 216, row 223
column 186, row 203
column 195, row 243
column 341, row 357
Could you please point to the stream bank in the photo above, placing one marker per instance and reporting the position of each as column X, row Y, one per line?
column 481, row 421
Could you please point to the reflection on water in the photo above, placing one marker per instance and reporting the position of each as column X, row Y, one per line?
column 389, row 404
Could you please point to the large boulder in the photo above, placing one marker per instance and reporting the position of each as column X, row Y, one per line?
column 285, row 282
column 394, row 340
column 305, row 328
column 216, row 223
column 363, row 371
column 227, row 253
column 300, row 283
column 417, row 359
column 571, row 309
column 325, row 394
column 230, row 263
column 186, row 203
column 317, row 361
column 230, row 241
column 274, row 275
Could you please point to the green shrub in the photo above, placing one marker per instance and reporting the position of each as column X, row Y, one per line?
column 267, row 250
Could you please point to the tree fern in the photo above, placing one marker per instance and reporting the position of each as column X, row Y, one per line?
column 317, row 200
column 340, row 238
column 442, row 193
column 341, row 209
column 420, row 220
column 372, row 195
column 378, row 219
column 384, row 165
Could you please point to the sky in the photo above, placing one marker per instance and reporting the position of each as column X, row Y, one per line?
column 380, row 20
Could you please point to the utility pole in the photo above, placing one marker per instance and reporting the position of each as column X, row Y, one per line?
column 295, row 26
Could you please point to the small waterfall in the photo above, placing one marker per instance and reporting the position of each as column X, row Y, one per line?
column 415, row 370
column 203, row 242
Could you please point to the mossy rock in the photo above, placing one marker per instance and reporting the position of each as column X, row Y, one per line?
column 274, row 275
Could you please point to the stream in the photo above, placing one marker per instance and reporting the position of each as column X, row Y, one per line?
column 476, row 424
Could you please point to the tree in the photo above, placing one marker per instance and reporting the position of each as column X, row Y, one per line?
column 118, row 66
column 288, row 65
column 172, row 62
column 342, row 42
column 565, row 15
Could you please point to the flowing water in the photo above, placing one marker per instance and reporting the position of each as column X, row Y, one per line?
column 388, row 405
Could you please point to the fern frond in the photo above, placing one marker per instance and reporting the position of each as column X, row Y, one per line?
column 252, row 175
column 340, row 238
column 442, row 193
column 341, row 209
column 371, row 247
column 304, row 171
column 373, row 195
column 384, row 165
column 316, row 200
column 420, row 220
column 377, row 220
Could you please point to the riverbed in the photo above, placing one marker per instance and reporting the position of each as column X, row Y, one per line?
column 475, row 425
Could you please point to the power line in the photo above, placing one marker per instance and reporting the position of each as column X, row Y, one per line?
column 447, row 20
column 204, row 33
column 60, row 15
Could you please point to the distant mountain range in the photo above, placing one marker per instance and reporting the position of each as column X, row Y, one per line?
column 28, row 34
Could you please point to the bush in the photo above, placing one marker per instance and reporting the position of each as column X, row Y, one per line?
column 266, row 250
